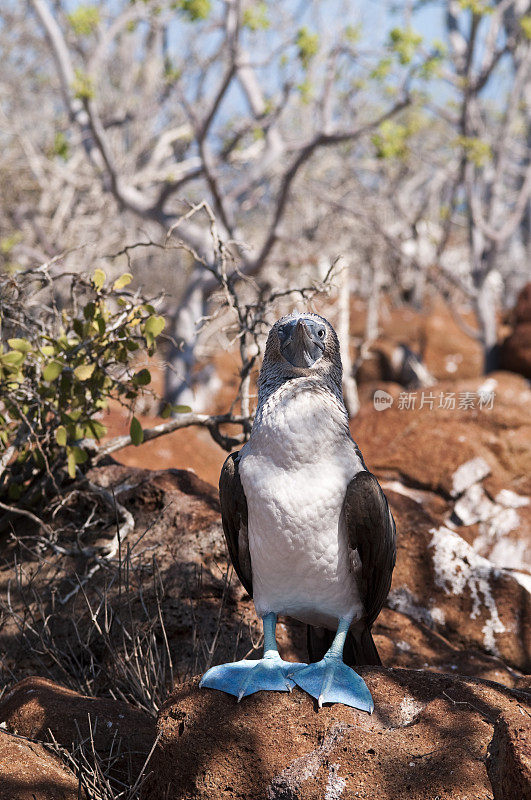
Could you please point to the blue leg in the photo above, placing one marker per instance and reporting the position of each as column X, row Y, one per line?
column 246, row 677
column 331, row 681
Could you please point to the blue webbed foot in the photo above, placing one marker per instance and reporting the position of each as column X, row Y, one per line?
column 331, row 681
column 246, row 677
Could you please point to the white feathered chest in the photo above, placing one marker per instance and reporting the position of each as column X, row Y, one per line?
column 295, row 470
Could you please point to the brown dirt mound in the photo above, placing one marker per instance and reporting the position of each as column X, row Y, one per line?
column 428, row 737
column 30, row 772
column 36, row 707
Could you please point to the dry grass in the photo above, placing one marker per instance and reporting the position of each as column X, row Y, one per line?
column 109, row 639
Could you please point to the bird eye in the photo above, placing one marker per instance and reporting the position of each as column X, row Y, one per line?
column 321, row 333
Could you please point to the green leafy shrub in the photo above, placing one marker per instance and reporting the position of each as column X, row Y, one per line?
column 61, row 361
column 391, row 140
column 84, row 20
column 476, row 150
column 194, row 10
column 82, row 85
column 307, row 46
column 256, row 18
column 404, row 42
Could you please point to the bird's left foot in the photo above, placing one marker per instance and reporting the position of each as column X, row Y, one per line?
column 331, row 681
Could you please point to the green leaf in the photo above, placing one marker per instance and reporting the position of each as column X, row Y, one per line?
column 7, row 243
column 99, row 278
column 14, row 492
column 142, row 378
column 82, row 86
column 476, row 150
column 84, row 19
column 95, row 429
column 171, row 408
column 61, row 436
column 381, row 70
column 307, row 46
column 122, row 281
column 60, row 146
column 84, row 371
column 154, row 325
column 71, row 464
column 13, row 358
column 478, row 7
column 89, row 310
column 353, row 33
column 79, row 328
column 525, row 24
column 404, row 42
column 52, row 370
column 255, row 17
column 136, row 432
column 391, row 140
column 80, row 455
column 23, row 345
column 194, row 9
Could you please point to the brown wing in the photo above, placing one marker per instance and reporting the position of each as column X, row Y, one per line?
column 234, row 518
column 371, row 530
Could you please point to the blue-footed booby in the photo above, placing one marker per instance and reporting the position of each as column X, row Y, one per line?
column 308, row 528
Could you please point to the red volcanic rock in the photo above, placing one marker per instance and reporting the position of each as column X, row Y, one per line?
column 410, row 643
column 469, row 472
column 433, row 334
column 522, row 309
column 30, row 772
column 424, row 447
column 442, row 582
column 515, row 352
column 427, row 738
column 509, row 757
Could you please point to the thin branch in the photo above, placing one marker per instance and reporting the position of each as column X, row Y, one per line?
column 306, row 151
column 211, row 422
column 22, row 512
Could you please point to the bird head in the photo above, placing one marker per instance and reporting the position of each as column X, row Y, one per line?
column 302, row 345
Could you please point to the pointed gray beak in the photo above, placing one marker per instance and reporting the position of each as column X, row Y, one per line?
column 300, row 343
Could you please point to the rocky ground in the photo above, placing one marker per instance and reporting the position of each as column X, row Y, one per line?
column 129, row 634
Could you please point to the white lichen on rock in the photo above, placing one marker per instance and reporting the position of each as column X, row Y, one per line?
column 458, row 568
column 469, row 473
column 438, row 615
column 410, row 709
column 510, row 499
column 474, row 506
column 404, row 601
column 498, row 519
column 335, row 785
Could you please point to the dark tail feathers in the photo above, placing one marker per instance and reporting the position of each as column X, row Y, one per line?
column 360, row 649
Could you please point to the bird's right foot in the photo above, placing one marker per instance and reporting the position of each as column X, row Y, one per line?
column 332, row 681
column 243, row 678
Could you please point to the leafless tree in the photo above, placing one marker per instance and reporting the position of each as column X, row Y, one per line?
column 306, row 138
column 148, row 123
